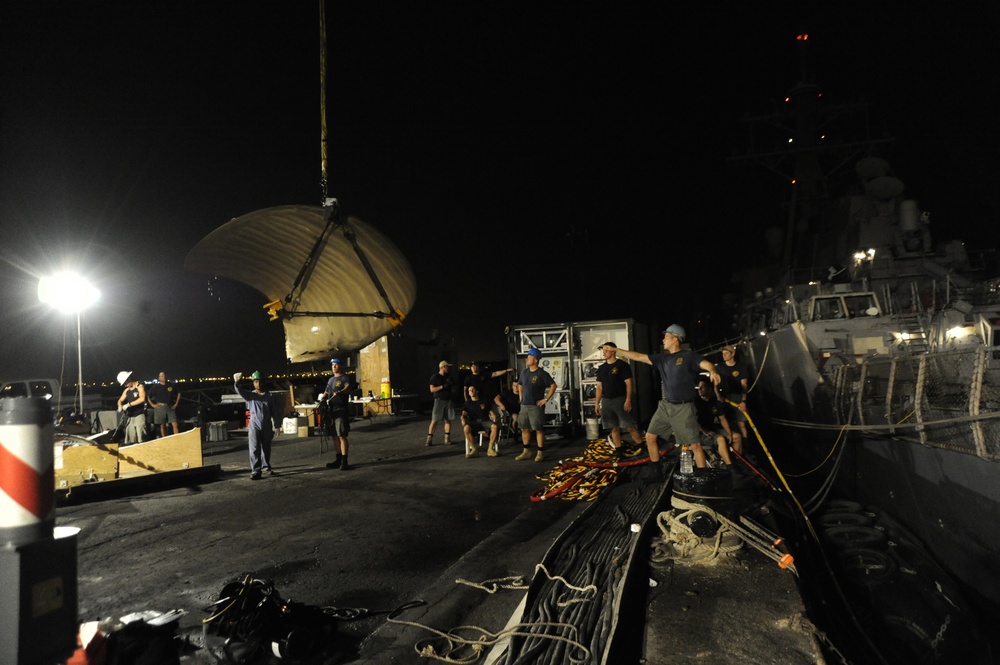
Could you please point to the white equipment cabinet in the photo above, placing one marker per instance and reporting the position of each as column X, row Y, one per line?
column 570, row 355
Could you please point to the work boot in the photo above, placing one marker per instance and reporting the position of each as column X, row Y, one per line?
column 335, row 464
column 525, row 454
column 620, row 452
column 447, row 439
column 343, row 464
column 492, row 451
column 540, row 456
column 255, row 475
column 471, row 452
column 428, row 442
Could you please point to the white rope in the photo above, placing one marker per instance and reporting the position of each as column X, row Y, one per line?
column 680, row 542
column 482, row 638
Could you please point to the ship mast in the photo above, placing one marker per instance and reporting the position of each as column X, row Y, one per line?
column 805, row 143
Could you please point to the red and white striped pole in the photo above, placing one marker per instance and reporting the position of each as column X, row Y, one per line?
column 27, row 476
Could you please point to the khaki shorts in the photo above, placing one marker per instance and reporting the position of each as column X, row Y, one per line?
column 444, row 409
column 613, row 413
column 532, row 417
column 681, row 420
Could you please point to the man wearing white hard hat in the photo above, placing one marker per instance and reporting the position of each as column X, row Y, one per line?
column 676, row 413
column 133, row 403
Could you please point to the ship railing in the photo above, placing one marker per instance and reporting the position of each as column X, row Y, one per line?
column 947, row 399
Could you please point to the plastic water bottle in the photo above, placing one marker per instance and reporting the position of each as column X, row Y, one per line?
column 687, row 461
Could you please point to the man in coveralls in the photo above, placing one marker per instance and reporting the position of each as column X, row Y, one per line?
column 263, row 422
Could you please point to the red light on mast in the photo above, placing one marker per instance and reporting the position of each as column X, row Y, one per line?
column 804, row 37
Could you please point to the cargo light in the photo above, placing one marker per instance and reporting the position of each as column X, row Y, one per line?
column 70, row 293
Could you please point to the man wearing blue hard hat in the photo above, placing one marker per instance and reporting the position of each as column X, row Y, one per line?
column 676, row 413
column 536, row 387
column 338, row 419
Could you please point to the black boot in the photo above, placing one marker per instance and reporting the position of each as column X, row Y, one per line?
column 335, row 464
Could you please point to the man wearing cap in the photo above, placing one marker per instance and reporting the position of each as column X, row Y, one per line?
column 338, row 421
column 679, row 369
column 133, row 403
column 479, row 380
column 536, row 387
column 444, row 408
column 613, row 401
column 263, row 422
column 734, row 389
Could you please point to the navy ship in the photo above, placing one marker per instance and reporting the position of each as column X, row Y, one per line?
column 874, row 374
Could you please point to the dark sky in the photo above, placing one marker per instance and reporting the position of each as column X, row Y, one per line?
column 536, row 162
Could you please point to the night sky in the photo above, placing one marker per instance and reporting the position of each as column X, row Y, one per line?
column 536, row 162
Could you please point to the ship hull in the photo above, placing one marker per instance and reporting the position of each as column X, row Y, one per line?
column 943, row 491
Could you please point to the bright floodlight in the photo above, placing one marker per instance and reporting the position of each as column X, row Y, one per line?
column 67, row 292
column 70, row 293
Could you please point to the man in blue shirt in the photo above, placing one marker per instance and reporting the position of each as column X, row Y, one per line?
column 337, row 395
column 536, row 387
column 679, row 369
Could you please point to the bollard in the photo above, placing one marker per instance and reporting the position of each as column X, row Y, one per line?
column 38, row 609
column 27, row 476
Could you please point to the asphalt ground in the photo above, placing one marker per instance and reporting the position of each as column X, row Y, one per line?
column 401, row 525
column 459, row 537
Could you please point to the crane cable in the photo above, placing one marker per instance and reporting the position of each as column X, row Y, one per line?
column 333, row 219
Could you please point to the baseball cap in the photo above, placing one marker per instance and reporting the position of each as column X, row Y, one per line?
column 444, row 363
column 611, row 344
column 731, row 349
column 675, row 329
column 535, row 352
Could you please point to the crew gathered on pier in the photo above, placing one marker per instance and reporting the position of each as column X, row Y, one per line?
column 701, row 406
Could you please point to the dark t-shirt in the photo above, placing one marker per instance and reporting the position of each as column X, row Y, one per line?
column 510, row 400
column 446, row 383
column 708, row 412
column 613, row 377
column 534, row 385
column 478, row 410
column 679, row 372
column 162, row 394
column 342, row 384
column 732, row 377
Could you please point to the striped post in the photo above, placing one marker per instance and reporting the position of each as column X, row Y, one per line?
column 27, row 476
